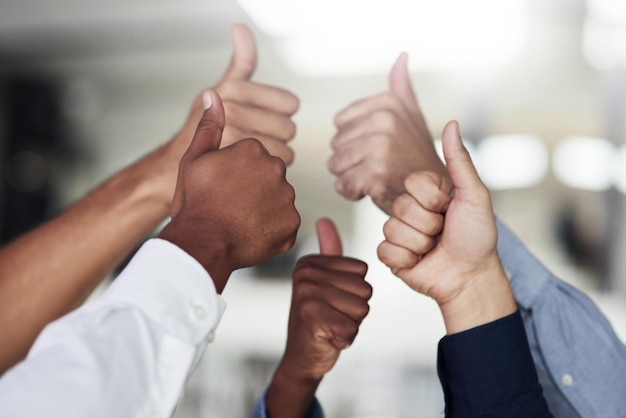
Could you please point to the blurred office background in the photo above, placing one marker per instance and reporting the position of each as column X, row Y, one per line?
column 539, row 88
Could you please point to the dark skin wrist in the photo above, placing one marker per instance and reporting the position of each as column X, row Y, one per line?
column 290, row 394
column 211, row 253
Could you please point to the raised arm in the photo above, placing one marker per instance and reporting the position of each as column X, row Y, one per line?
column 329, row 301
column 52, row 269
column 130, row 352
column 441, row 241
column 558, row 318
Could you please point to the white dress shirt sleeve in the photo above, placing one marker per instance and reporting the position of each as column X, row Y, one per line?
column 127, row 354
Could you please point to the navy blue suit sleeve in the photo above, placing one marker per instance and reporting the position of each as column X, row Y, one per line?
column 488, row 371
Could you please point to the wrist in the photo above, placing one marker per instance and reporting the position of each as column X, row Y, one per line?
column 164, row 162
column 152, row 179
column 485, row 297
column 211, row 253
column 290, row 394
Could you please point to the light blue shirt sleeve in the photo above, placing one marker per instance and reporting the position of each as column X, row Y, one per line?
column 580, row 360
column 259, row 410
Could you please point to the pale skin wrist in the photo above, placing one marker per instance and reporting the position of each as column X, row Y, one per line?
column 160, row 174
column 485, row 297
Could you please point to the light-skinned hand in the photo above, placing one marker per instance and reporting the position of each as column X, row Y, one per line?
column 380, row 140
column 441, row 241
column 252, row 109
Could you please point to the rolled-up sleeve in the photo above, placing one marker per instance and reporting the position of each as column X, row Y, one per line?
column 580, row 361
column 127, row 354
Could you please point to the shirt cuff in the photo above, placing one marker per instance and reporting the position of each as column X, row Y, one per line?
column 527, row 275
column 315, row 411
column 487, row 366
column 172, row 289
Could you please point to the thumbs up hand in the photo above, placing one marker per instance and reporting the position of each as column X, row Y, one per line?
column 252, row 109
column 329, row 301
column 380, row 140
column 232, row 207
column 441, row 241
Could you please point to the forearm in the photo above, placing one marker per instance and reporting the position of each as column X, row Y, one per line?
column 122, row 355
column 290, row 396
column 53, row 268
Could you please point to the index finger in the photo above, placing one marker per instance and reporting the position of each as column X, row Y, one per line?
column 259, row 95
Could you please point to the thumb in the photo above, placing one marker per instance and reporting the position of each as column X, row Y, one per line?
column 458, row 160
column 400, row 83
column 328, row 237
column 208, row 134
column 244, row 57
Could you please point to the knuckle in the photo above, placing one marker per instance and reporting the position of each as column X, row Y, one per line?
column 368, row 291
column 432, row 201
column 332, row 164
column 288, row 155
column 381, row 142
column 308, row 309
column 389, row 229
column 295, row 223
column 348, row 190
column 413, row 179
column 362, row 310
column 251, row 145
column 422, row 244
column 382, row 251
column 302, row 273
column 285, row 153
column 434, row 225
column 228, row 89
column 289, row 129
column 348, row 331
column 291, row 103
column 385, row 119
column 302, row 288
column 401, row 206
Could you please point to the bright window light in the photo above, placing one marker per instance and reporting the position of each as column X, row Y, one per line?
column 325, row 37
column 604, row 47
column 512, row 161
column 608, row 11
column 604, row 34
column 584, row 163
